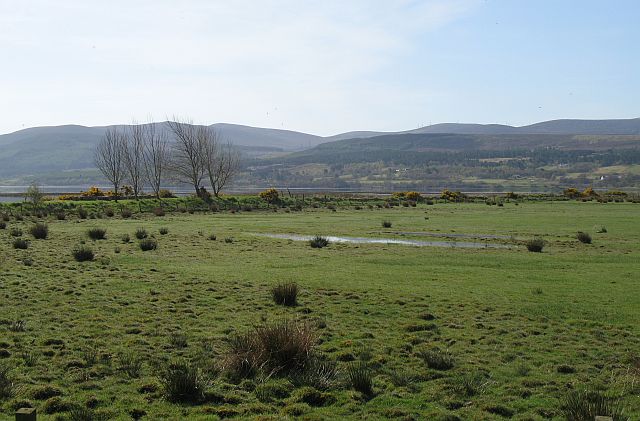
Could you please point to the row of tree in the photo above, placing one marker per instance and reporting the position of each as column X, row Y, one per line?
column 144, row 155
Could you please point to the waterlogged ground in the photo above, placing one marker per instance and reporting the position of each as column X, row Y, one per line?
column 523, row 329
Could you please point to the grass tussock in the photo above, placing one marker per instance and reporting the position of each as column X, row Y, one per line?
column 535, row 245
column 386, row 224
column 39, row 231
column 97, row 233
column 148, row 244
column 141, row 233
column 437, row 359
column 318, row 242
column 285, row 294
column 360, row 378
column 83, row 253
column 183, row 382
column 584, row 237
column 587, row 405
column 15, row 232
column 20, row 244
column 276, row 348
column 7, row 387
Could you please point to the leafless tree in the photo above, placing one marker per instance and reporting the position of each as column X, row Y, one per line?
column 156, row 157
column 110, row 157
column 187, row 162
column 222, row 166
column 135, row 141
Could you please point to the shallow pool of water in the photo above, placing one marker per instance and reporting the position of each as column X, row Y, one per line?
column 363, row 240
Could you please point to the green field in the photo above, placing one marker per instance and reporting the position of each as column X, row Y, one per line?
column 523, row 329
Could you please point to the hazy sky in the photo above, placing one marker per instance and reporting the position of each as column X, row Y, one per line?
column 320, row 66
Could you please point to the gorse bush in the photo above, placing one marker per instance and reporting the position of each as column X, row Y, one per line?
column 97, row 233
column 141, row 233
column 83, row 253
column 39, row 231
column 318, row 242
column 183, row 382
column 148, row 244
column 285, row 294
column 360, row 378
column 583, row 237
column 20, row 244
column 587, row 405
column 535, row 245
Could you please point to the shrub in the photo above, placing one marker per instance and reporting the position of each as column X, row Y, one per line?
column 164, row 193
column 535, row 245
column 148, row 244
column 583, row 237
column 3, row 225
column 270, row 196
column 587, row 405
column 183, row 382
column 318, row 242
column 386, row 224
column 163, row 231
column 158, row 211
column 20, row 243
column 285, row 294
column 83, row 253
column 125, row 238
column 82, row 212
column 97, row 233
column 40, row 231
column 15, row 232
column 360, row 378
column 126, row 213
column 141, row 233
column 436, row 359
column 7, row 387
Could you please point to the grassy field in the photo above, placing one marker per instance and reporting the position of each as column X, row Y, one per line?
column 519, row 331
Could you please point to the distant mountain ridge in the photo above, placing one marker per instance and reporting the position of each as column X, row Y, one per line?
column 41, row 150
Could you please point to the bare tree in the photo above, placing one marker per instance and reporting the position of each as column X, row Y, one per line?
column 156, row 157
column 110, row 157
column 187, row 163
column 134, row 156
column 223, row 167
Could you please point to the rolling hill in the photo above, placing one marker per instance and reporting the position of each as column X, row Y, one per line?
column 41, row 150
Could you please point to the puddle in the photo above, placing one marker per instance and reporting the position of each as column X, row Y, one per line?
column 457, row 235
column 362, row 240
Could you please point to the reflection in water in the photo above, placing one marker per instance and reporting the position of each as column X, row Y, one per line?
column 362, row 240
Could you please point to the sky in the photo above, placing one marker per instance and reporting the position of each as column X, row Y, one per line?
column 318, row 66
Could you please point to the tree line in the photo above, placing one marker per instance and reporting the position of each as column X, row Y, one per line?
column 144, row 155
